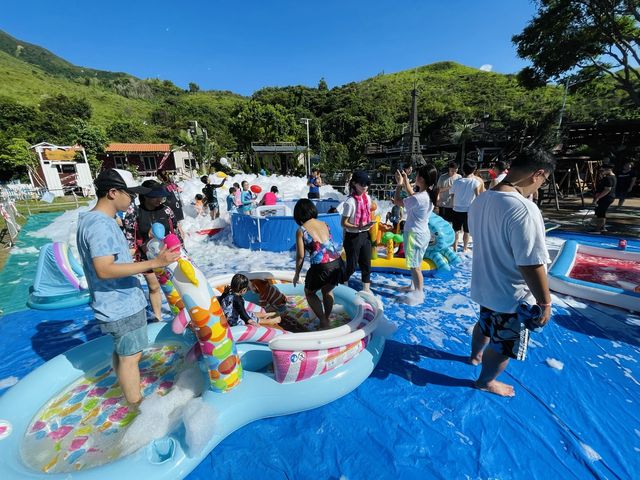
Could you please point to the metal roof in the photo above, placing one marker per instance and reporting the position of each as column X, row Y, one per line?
column 278, row 148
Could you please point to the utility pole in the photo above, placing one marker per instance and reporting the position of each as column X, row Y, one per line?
column 308, row 166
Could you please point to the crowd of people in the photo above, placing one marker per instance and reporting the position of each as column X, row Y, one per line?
column 511, row 289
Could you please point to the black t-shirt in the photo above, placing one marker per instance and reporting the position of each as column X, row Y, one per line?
column 624, row 181
column 163, row 214
column 173, row 201
column 209, row 191
column 608, row 181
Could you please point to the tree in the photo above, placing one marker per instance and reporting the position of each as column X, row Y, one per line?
column 92, row 138
column 322, row 85
column 603, row 35
column 125, row 131
column 193, row 87
column 67, row 107
column 463, row 132
column 196, row 141
column 15, row 158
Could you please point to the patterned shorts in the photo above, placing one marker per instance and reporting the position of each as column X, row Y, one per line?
column 508, row 334
column 415, row 247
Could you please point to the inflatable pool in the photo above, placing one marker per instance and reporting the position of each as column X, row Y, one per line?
column 68, row 417
column 273, row 228
column 439, row 255
column 59, row 281
column 599, row 274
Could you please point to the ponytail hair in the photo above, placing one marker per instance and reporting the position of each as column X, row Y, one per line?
column 429, row 174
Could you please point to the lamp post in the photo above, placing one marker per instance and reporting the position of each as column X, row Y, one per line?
column 308, row 166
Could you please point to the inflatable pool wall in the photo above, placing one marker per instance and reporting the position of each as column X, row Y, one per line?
column 276, row 231
column 560, row 279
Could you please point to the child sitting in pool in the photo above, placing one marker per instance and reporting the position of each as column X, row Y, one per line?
column 233, row 305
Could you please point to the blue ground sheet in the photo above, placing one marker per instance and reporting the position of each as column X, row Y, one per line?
column 576, row 413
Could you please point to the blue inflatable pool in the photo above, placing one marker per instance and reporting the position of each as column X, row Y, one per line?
column 274, row 229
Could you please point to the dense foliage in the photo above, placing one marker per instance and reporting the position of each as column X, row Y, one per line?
column 592, row 37
column 44, row 98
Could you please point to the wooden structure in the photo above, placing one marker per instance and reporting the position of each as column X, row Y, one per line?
column 148, row 158
column 61, row 169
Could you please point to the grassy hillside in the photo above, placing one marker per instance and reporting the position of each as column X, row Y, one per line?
column 28, row 85
column 49, row 62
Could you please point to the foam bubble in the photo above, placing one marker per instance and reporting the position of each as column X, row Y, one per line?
column 160, row 415
column 553, row 363
column 199, row 422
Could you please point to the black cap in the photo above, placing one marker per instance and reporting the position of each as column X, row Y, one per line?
column 361, row 177
column 156, row 189
column 120, row 180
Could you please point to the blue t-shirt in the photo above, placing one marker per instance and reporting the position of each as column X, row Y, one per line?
column 112, row 299
column 231, row 205
column 313, row 185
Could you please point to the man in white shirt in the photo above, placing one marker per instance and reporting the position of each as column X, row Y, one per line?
column 509, row 268
column 445, row 200
column 463, row 192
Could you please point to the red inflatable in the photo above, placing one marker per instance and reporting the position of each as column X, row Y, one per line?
column 255, row 188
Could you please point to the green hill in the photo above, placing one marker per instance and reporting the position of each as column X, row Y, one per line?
column 49, row 62
column 45, row 98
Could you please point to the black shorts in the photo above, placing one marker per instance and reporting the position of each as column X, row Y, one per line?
column 508, row 335
column 602, row 206
column 447, row 213
column 322, row 274
column 213, row 205
column 459, row 220
column 313, row 195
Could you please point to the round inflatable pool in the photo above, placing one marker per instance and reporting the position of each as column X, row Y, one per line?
column 273, row 228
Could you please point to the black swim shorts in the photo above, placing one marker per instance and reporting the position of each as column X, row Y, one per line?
column 508, row 334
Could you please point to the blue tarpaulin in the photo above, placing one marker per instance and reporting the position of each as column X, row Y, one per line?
column 576, row 413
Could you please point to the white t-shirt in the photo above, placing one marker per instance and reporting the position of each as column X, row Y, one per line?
column 500, row 177
column 464, row 191
column 445, row 181
column 349, row 210
column 418, row 207
column 508, row 231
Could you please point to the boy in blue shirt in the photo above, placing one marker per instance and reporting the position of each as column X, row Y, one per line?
column 231, row 201
column 116, row 295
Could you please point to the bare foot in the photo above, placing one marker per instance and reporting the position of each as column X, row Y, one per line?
column 497, row 387
column 270, row 321
column 477, row 360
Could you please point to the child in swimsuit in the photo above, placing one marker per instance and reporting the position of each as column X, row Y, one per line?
column 233, row 305
column 327, row 267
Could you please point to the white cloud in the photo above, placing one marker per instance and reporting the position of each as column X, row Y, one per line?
column 487, row 67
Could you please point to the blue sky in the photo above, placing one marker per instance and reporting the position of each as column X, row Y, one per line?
column 245, row 45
